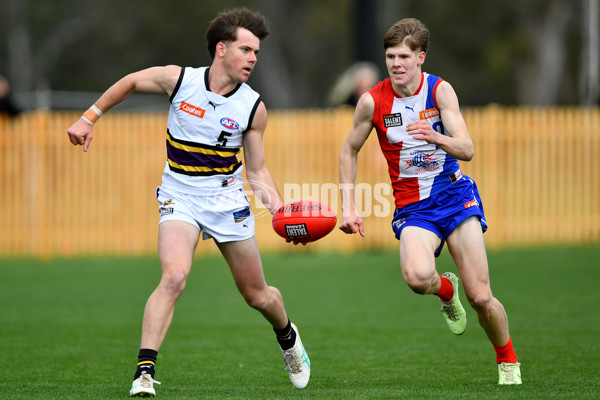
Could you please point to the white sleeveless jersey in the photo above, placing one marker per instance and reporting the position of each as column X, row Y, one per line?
column 205, row 133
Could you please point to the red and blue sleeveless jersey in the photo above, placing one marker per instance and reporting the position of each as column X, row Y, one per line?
column 417, row 169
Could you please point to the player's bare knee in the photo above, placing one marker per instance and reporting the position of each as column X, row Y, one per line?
column 481, row 303
column 257, row 300
column 418, row 283
column 419, row 286
column 174, row 281
column 261, row 299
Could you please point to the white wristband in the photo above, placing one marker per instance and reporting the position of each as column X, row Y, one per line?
column 92, row 114
column 96, row 110
column 87, row 120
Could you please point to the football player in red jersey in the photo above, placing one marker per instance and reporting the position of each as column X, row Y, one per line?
column 423, row 136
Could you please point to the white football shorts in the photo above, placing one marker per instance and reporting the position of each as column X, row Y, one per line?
column 226, row 217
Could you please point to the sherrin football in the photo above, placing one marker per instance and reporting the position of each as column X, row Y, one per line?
column 304, row 221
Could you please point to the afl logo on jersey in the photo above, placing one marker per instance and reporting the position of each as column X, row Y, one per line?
column 229, row 123
column 391, row 120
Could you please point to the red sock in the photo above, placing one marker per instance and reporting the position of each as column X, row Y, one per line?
column 505, row 353
column 446, row 291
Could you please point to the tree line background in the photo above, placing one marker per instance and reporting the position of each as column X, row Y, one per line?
column 510, row 52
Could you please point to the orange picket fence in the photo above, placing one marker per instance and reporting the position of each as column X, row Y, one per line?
column 537, row 169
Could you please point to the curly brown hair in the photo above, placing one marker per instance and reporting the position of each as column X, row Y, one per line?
column 224, row 27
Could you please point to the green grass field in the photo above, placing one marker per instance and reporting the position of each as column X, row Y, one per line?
column 69, row 329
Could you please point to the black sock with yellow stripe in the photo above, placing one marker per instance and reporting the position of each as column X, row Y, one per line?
column 146, row 362
column 286, row 336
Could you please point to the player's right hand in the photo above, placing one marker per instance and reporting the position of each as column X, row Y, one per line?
column 80, row 134
column 352, row 224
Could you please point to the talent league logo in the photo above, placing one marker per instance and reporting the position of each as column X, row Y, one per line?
column 422, row 161
column 297, row 231
column 391, row 120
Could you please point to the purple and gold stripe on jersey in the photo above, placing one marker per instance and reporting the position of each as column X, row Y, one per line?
column 197, row 159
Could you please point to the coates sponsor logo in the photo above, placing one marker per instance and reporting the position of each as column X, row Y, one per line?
column 432, row 112
column 190, row 109
column 229, row 123
column 472, row 203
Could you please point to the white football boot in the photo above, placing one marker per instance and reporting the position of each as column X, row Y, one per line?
column 297, row 363
column 143, row 386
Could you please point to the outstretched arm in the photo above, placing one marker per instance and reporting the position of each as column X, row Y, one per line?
column 151, row 80
column 361, row 128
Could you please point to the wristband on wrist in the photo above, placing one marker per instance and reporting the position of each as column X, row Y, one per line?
column 83, row 117
column 92, row 114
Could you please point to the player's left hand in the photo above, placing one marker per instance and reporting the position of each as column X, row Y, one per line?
column 422, row 130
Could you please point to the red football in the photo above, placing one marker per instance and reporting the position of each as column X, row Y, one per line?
column 304, row 221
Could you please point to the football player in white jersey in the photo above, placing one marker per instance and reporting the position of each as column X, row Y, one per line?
column 201, row 191
column 423, row 135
